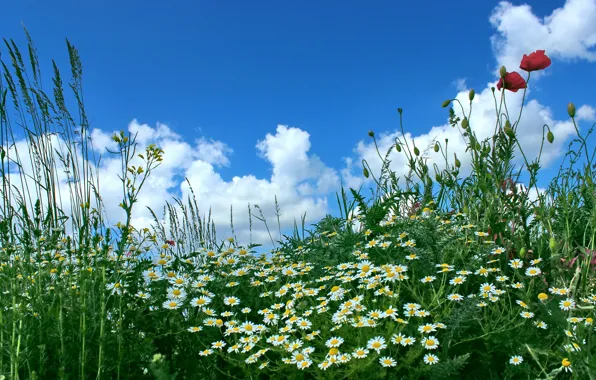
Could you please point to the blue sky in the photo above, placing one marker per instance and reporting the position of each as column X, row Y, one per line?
column 231, row 72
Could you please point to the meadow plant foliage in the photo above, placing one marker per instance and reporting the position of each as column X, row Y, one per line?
column 447, row 277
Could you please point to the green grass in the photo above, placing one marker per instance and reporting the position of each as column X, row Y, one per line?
column 461, row 257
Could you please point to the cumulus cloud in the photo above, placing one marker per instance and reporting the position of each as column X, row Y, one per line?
column 568, row 33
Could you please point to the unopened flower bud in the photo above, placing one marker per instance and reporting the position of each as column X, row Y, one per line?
column 416, row 151
column 522, row 252
column 464, row 123
column 429, row 181
column 571, row 110
column 398, row 147
column 457, row 162
column 509, row 132
column 471, row 94
column 446, row 103
column 438, row 177
column 552, row 244
column 365, row 172
column 371, row 133
column 503, row 72
column 550, row 137
column 436, row 147
column 399, row 110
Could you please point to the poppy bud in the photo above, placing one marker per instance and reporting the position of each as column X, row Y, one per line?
column 446, row 103
column 371, row 133
column 436, row 147
column 550, row 137
column 471, row 94
column 429, row 181
column 552, row 244
column 509, row 131
column 503, row 71
column 478, row 145
column 416, row 151
column 399, row 110
column 522, row 252
column 365, row 172
column 438, row 178
column 571, row 110
column 398, row 147
column 464, row 123
column 457, row 162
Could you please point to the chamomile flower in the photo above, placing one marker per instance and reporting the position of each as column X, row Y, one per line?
column 386, row 361
column 231, row 301
column 516, row 263
column 455, row 297
column 516, row 360
column 377, row 343
column 427, row 328
column 360, row 353
column 431, row 359
column 430, row 343
column 334, row 342
column 567, row 304
column 171, row 304
column 457, row 280
column 533, row 271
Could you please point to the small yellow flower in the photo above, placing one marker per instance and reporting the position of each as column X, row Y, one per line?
column 542, row 296
column 565, row 362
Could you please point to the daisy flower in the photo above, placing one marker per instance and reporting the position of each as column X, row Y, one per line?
column 431, row 359
column 231, row 301
column 430, row 343
column 516, row 263
column 334, row 342
column 408, row 341
column 360, row 353
column 386, row 361
column 533, row 271
column 455, row 297
column 516, row 360
column 377, row 343
column 567, row 304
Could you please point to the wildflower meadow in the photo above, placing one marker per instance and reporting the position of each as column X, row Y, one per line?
column 443, row 276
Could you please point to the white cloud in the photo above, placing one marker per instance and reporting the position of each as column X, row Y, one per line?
column 567, row 33
column 510, row 42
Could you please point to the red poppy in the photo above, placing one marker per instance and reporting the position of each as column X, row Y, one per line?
column 535, row 61
column 513, row 82
column 170, row 242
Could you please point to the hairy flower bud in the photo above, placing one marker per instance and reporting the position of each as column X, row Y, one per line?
column 464, row 123
column 436, row 147
column 571, row 110
column 371, row 133
column 457, row 162
column 552, row 244
column 503, row 71
column 398, row 147
column 471, row 94
column 522, row 252
column 550, row 137
column 446, row 103
column 509, row 131
column 416, row 151
column 365, row 172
